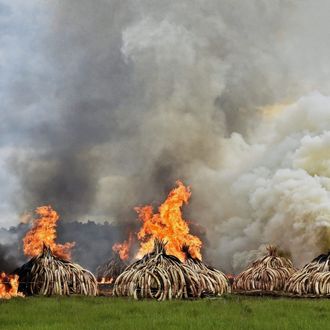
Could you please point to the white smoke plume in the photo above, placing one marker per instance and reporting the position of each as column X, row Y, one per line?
column 106, row 103
column 282, row 193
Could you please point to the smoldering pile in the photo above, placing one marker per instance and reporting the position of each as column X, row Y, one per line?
column 267, row 274
column 108, row 272
column 212, row 281
column 312, row 279
column 111, row 269
column 46, row 274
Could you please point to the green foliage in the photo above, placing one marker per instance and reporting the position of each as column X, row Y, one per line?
column 230, row 312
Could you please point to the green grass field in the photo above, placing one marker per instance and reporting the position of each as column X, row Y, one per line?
column 230, row 312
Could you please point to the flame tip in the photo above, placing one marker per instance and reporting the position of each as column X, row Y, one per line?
column 43, row 232
column 169, row 225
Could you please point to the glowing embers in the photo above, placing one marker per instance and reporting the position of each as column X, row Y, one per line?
column 269, row 273
column 168, row 225
column 43, row 231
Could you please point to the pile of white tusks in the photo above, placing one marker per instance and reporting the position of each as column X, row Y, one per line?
column 161, row 276
column 48, row 275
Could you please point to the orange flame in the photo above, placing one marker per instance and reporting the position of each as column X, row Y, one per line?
column 106, row 280
column 168, row 225
column 123, row 248
column 9, row 286
column 43, row 232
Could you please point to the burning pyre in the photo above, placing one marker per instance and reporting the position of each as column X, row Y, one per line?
column 111, row 269
column 168, row 225
column 43, row 232
column 49, row 271
column 313, row 278
column 158, row 275
column 9, row 286
column 46, row 274
column 269, row 273
column 176, row 272
column 212, row 281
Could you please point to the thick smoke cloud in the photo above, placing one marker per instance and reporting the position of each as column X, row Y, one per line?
column 284, row 196
column 107, row 103
column 10, row 250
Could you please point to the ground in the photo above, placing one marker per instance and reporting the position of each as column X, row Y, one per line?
column 231, row 312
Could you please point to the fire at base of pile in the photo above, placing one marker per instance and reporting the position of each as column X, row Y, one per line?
column 212, row 281
column 47, row 274
column 159, row 276
column 110, row 270
column 313, row 279
column 267, row 274
column 9, row 286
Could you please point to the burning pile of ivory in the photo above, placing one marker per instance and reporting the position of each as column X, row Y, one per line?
column 46, row 274
column 158, row 275
column 269, row 273
column 212, row 281
column 110, row 270
column 314, row 278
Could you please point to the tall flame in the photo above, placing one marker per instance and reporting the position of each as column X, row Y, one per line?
column 43, row 232
column 123, row 248
column 168, row 225
column 9, row 286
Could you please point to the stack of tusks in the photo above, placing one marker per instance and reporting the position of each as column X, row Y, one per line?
column 111, row 269
column 47, row 274
column 269, row 273
column 212, row 281
column 161, row 276
column 314, row 278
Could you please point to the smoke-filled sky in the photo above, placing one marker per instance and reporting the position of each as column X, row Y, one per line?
column 105, row 103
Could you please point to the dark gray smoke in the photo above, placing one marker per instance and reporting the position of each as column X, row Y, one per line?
column 108, row 102
column 137, row 95
column 93, row 243
column 11, row 250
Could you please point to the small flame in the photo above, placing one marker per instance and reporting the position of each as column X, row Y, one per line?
column 106, row 280
column 123, row 248
column 43, row 232
column 168, row 225
column 9, row 286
